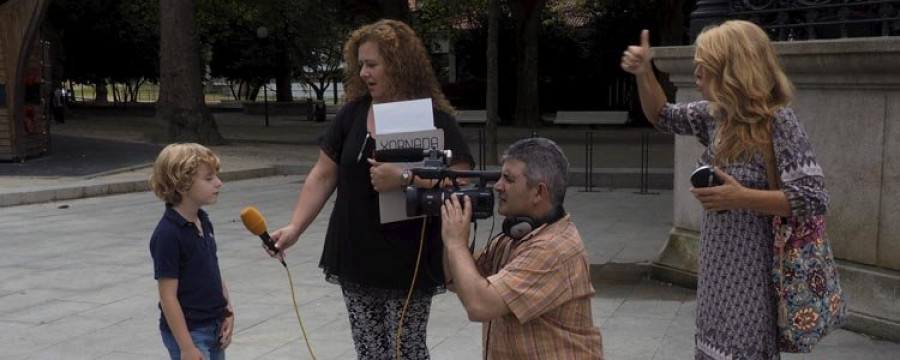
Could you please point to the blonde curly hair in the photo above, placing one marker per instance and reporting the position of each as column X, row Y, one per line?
column 175, row 167
column 747, row 86
column 406, row 63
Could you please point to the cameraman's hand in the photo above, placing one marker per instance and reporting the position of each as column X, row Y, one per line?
column 455, row 221
column 385, row 176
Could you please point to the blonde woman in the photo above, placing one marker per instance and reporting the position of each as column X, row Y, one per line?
column 373, row 262
column 744, row 112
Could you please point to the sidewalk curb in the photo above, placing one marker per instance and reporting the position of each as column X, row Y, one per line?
column 87, row 189
column 119, row 170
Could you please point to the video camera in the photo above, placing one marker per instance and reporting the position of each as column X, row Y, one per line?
column 428, row 202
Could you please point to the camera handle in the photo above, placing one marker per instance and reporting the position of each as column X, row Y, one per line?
column 441, row 173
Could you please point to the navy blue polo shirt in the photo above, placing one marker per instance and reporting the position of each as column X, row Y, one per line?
column 179, row 251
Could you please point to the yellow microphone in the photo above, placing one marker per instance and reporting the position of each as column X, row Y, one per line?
column 256, row 223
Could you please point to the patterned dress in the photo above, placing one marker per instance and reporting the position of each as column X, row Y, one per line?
column 736, row 312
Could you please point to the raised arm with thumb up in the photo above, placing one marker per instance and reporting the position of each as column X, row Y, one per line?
column 636, row 60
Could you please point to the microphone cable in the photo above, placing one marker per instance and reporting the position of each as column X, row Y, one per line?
column 412, row 283
column 412, row 286
column 256, row 224
column 297, row 309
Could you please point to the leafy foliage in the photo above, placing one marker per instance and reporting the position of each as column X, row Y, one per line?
column 228, row 30
column 117, row 41
column 248, row 41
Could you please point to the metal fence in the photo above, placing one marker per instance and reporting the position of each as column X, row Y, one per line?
column 213, row 93
column 787, row 20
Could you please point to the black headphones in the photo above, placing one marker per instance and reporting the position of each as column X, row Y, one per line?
column 517, row 227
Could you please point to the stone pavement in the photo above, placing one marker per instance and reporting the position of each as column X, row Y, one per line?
column 76, row 276
column 76, row 283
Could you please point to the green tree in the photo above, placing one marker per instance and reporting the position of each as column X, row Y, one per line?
column 323, row 64
column 319, row 52
column 230, row 31
column 366, row 11
column 108, row 41
column 137, row 31
column 252, row 42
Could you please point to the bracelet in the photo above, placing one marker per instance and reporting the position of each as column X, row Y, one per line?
column 406, row 178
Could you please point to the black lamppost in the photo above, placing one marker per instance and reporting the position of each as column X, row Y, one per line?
column 262, row 33
column 708, row 12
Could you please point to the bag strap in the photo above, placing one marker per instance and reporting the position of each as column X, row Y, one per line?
column 775, row 184
column 769, row 156
column 772, row 172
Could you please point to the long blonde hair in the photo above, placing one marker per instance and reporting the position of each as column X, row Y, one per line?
column 405, row 59
column 747, row 85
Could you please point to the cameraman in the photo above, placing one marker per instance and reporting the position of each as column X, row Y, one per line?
column 530, row 285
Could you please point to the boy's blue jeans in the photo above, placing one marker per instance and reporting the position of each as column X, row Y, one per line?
column 205, row 338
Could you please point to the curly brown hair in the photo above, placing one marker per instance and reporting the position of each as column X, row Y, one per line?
column 405, row 59
column 174, row 169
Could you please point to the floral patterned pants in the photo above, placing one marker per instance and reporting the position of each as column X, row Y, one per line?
column 374, row 316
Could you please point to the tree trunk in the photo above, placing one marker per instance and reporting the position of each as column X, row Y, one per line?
column 319, row 88
column 335, row 90
column 491, row 98
column 528, row 21
column 101, row 95
column 671, row 23
column 181, row 113
column 395, row 9
column 136, row 90
column 283, row 91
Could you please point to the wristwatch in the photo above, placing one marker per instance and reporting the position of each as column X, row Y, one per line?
column 407, row 177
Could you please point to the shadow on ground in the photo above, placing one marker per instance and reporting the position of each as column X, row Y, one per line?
column 83, row 156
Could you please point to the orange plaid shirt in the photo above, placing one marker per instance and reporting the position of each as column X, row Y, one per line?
column 545, row 282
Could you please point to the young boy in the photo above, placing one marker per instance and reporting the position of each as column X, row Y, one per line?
column 197, row 316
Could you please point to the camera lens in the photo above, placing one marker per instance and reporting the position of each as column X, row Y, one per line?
column 429, row 201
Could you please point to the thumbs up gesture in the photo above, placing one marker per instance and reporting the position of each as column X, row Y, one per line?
column 636, row 59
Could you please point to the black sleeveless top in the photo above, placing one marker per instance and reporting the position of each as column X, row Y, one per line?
column 359, row 250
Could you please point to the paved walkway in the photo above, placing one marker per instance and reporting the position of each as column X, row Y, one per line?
column 76, row 277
